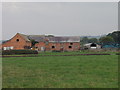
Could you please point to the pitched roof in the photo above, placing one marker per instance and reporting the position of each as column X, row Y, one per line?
column 24, row 36
column 33, row 37
column 39, row 38
column 64, row 39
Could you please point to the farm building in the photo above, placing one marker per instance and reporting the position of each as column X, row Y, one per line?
column 43, row 43
column 92, row 46
column 19, row 41
column 59, row 44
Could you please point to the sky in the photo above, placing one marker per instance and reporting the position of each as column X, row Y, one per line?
column 59, row 18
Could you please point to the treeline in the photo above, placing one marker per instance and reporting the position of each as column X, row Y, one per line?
column 110, row 39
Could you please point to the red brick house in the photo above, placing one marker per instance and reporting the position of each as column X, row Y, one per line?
column 45, row 43
column 19, row 41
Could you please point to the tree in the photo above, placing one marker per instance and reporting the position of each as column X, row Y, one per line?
column 84, row 40
column 116, row 36
column 50, row 35
column 106, row 40
column 93, row 40
column 33, row 42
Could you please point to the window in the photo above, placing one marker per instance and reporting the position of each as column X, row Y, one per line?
column 71, row 43
column 70, row 46
column 8, row 48
column 26, row 47
column 46, row 43
column 17, row 40
column 53, row 46
column 11, row 47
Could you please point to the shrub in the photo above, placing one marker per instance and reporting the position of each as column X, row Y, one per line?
column 117, row 53
column 0, row 52
column 56, row 51
column 13, row 52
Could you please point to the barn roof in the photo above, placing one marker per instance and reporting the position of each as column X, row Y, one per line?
column 33, row 37
column 25, row 37
column 39, row 38
column 64, row 39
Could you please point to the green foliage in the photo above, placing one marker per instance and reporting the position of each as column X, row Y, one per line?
column 115, row 35
column 84, row 40
column 0, row 52
column 33, row 42
column 50, row 36
column 106, row 40
column 117, row 53
column 93, row 40
column 17, row 52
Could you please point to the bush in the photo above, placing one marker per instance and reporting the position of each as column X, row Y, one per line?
column 117, row 53
column 56, row 51
column 0, row 52
column 13, row 52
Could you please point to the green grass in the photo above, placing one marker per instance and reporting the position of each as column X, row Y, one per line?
column 76, row 52
column 61, row 72
column 64, row 53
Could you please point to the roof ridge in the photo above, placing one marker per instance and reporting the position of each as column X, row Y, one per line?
column 24, row 36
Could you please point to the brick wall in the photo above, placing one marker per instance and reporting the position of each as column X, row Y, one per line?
column 17, row 42
column 59, row 46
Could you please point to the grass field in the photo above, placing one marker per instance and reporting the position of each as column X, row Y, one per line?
column 61, row 72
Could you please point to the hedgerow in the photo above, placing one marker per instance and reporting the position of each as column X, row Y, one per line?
column 13, row 52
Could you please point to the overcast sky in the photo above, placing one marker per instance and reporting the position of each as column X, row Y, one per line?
column 68, row 19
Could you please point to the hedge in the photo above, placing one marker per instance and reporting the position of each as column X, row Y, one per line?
column 117, row 53
column 56, row 51
column 0, row 52
column 14, row 52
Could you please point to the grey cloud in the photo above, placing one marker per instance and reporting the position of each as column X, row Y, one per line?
column 59, row 18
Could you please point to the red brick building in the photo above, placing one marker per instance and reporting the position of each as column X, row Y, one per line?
column 59, row 44
column 44, row 43
column 19, row 41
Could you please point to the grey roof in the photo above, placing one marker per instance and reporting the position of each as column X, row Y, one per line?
column 39, row 38
column 64, row 39
column 25, row 37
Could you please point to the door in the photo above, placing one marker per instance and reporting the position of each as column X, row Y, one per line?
column 42, row 48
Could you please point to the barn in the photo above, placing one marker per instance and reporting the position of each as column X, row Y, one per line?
column 92, row 46
column 44, row 43
column 19, row 41
column 63, row 43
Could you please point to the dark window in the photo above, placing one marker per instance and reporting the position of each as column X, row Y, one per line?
column 93, row 45
column 53, row 46
column 70, row 46
column 17, row 40
column 71, row 43
column 26, row 47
